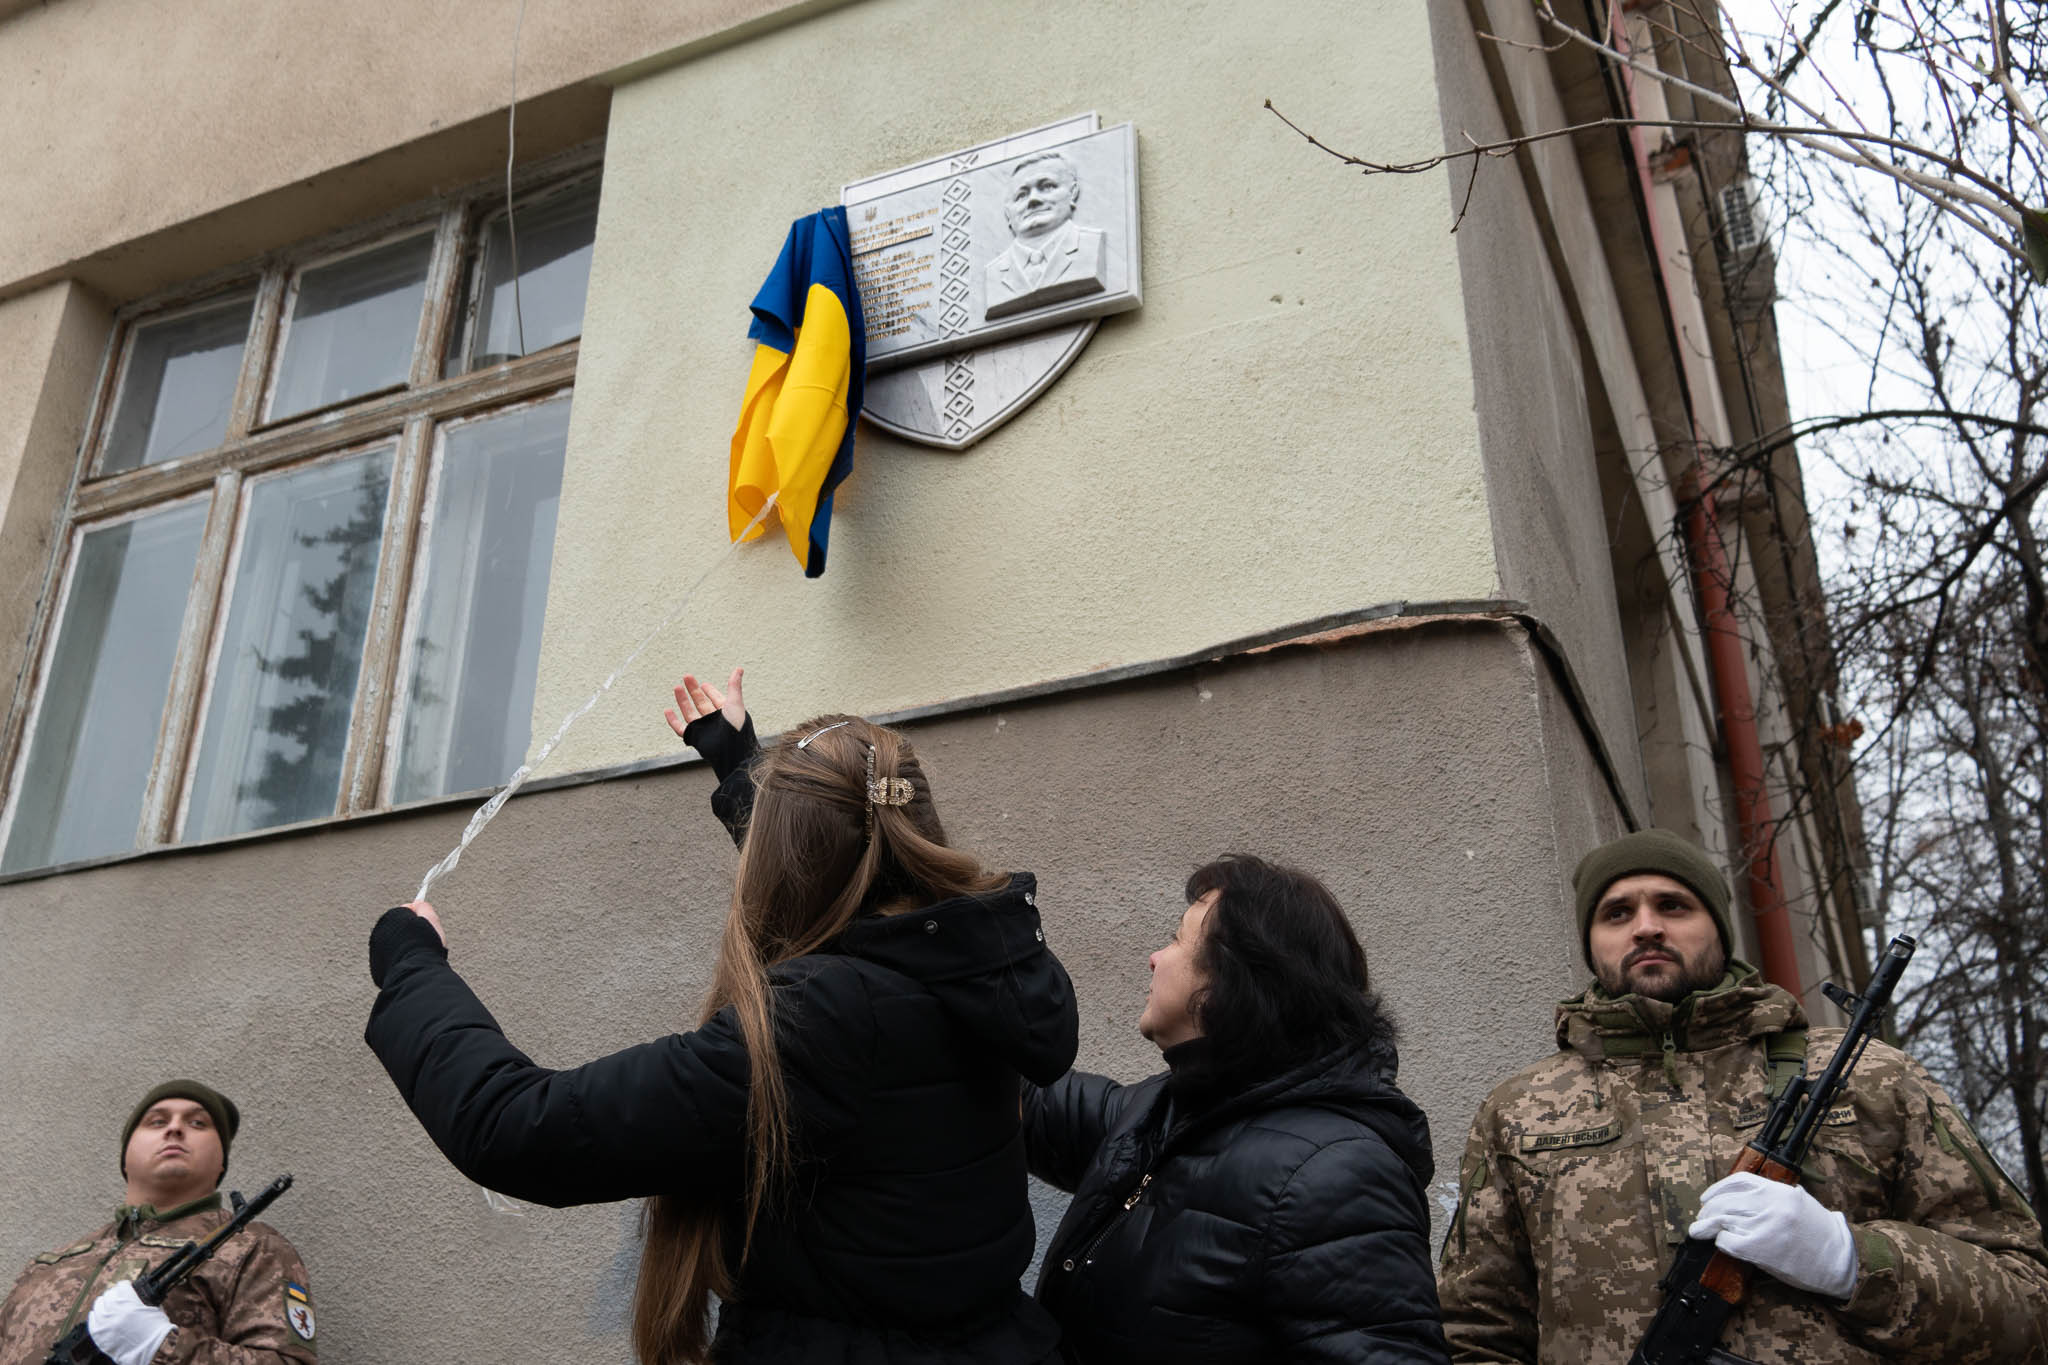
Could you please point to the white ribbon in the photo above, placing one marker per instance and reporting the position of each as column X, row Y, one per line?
column 491, row 807
column 495, row 1202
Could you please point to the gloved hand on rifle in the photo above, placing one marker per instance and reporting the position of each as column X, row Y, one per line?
column 125, row 1327
column 1780, row 1229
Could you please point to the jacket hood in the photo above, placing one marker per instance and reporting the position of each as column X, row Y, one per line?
column 1356, row 1083
column 984, row 958
column 1740, row 1007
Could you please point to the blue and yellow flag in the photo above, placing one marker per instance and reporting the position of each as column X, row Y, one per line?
column 795, row 435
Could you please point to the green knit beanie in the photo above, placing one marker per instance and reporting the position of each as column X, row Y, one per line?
column 1650, row 850
column 226, row 1118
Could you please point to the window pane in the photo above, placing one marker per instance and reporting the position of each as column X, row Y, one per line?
column 95, row 733
column 179, row 385
column 554, row 238
column 284, row 679
column 352, row 327
column 475, row 644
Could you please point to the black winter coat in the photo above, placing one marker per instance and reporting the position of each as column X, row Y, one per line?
column 1285, row 1222
column 902, row 1046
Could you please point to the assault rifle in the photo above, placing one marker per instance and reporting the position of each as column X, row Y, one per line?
column 77, row 1348
column 1705, row 1286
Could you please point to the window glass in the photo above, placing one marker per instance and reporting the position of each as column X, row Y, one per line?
column 96, row 730
column 275, row 721
column 179, row 386
column 352, row 327
column 284, row 678
column 474, row 644
column 554, row 238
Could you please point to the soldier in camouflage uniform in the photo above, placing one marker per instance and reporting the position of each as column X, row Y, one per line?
column 247, row 1306
column 1584, row 1172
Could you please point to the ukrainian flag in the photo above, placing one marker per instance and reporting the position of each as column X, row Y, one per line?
column 795, row 435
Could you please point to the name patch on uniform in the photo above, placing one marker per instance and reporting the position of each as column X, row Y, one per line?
column 1584, row 1137
column 298, row 1310
column 52, row 1257
column 1755, row 1114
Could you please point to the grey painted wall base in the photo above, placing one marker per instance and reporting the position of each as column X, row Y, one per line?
column 1433, row 775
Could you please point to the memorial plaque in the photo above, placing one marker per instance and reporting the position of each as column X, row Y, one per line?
column 983, row 272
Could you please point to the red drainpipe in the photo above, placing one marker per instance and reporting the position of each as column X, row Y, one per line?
column 1753, row 814
column 1754, row 818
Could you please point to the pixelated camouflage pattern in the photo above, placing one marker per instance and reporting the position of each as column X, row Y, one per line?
column 228, row 1312
column 1583, row 1172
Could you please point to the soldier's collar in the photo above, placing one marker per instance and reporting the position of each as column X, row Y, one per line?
column 136, row 1215
column 1740, row 1006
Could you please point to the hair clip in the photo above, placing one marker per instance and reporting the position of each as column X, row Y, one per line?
column 893, row 791
column 805, row 742
column 887, row 791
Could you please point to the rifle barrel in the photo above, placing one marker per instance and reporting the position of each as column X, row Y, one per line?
column 1862, row 1026
column 152, row 1287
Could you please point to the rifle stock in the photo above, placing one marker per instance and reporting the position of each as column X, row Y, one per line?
column 1723, row 1275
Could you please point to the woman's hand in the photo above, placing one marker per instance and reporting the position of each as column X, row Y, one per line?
column 397, row 933
column 715, row 724
column 426, row 912
column 695, row 700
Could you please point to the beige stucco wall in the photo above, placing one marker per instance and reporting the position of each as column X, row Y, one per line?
column 1284, row 429
column 127, row 118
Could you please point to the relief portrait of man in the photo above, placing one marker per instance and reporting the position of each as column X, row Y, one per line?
column 1051, row 258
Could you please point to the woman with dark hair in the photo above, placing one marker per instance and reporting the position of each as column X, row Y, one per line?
column 1262, row 1200
column 834, row 1152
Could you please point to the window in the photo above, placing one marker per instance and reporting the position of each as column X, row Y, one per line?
column 305, row 569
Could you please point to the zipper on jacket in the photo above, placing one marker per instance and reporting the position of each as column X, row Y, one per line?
column 1671, row 1059
column 1129, row 1204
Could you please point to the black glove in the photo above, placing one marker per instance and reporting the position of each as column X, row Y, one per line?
column 399, row 932
column 724, row 748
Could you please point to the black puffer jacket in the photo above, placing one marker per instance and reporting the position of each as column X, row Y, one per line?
column 902, row 1049
column 1284, row 1222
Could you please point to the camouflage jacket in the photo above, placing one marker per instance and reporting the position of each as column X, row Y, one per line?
column 1583, row 1172
column 248, row 1305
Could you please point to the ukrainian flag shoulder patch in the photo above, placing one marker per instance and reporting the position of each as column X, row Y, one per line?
column 298, row 1310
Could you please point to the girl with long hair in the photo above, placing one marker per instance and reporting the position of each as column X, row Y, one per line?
column 834, row 1152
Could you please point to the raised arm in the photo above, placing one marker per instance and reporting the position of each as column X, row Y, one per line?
column 717, row 726
column 666, row 1117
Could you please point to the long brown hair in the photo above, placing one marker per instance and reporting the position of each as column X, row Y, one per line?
column 817, row 854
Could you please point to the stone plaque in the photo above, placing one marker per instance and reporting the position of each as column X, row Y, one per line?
column 982, row 273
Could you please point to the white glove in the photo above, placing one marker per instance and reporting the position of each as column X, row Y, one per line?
column 125, row 1327
column 1780, row 1229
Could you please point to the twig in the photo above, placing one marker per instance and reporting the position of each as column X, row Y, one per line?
column 2006, row 208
